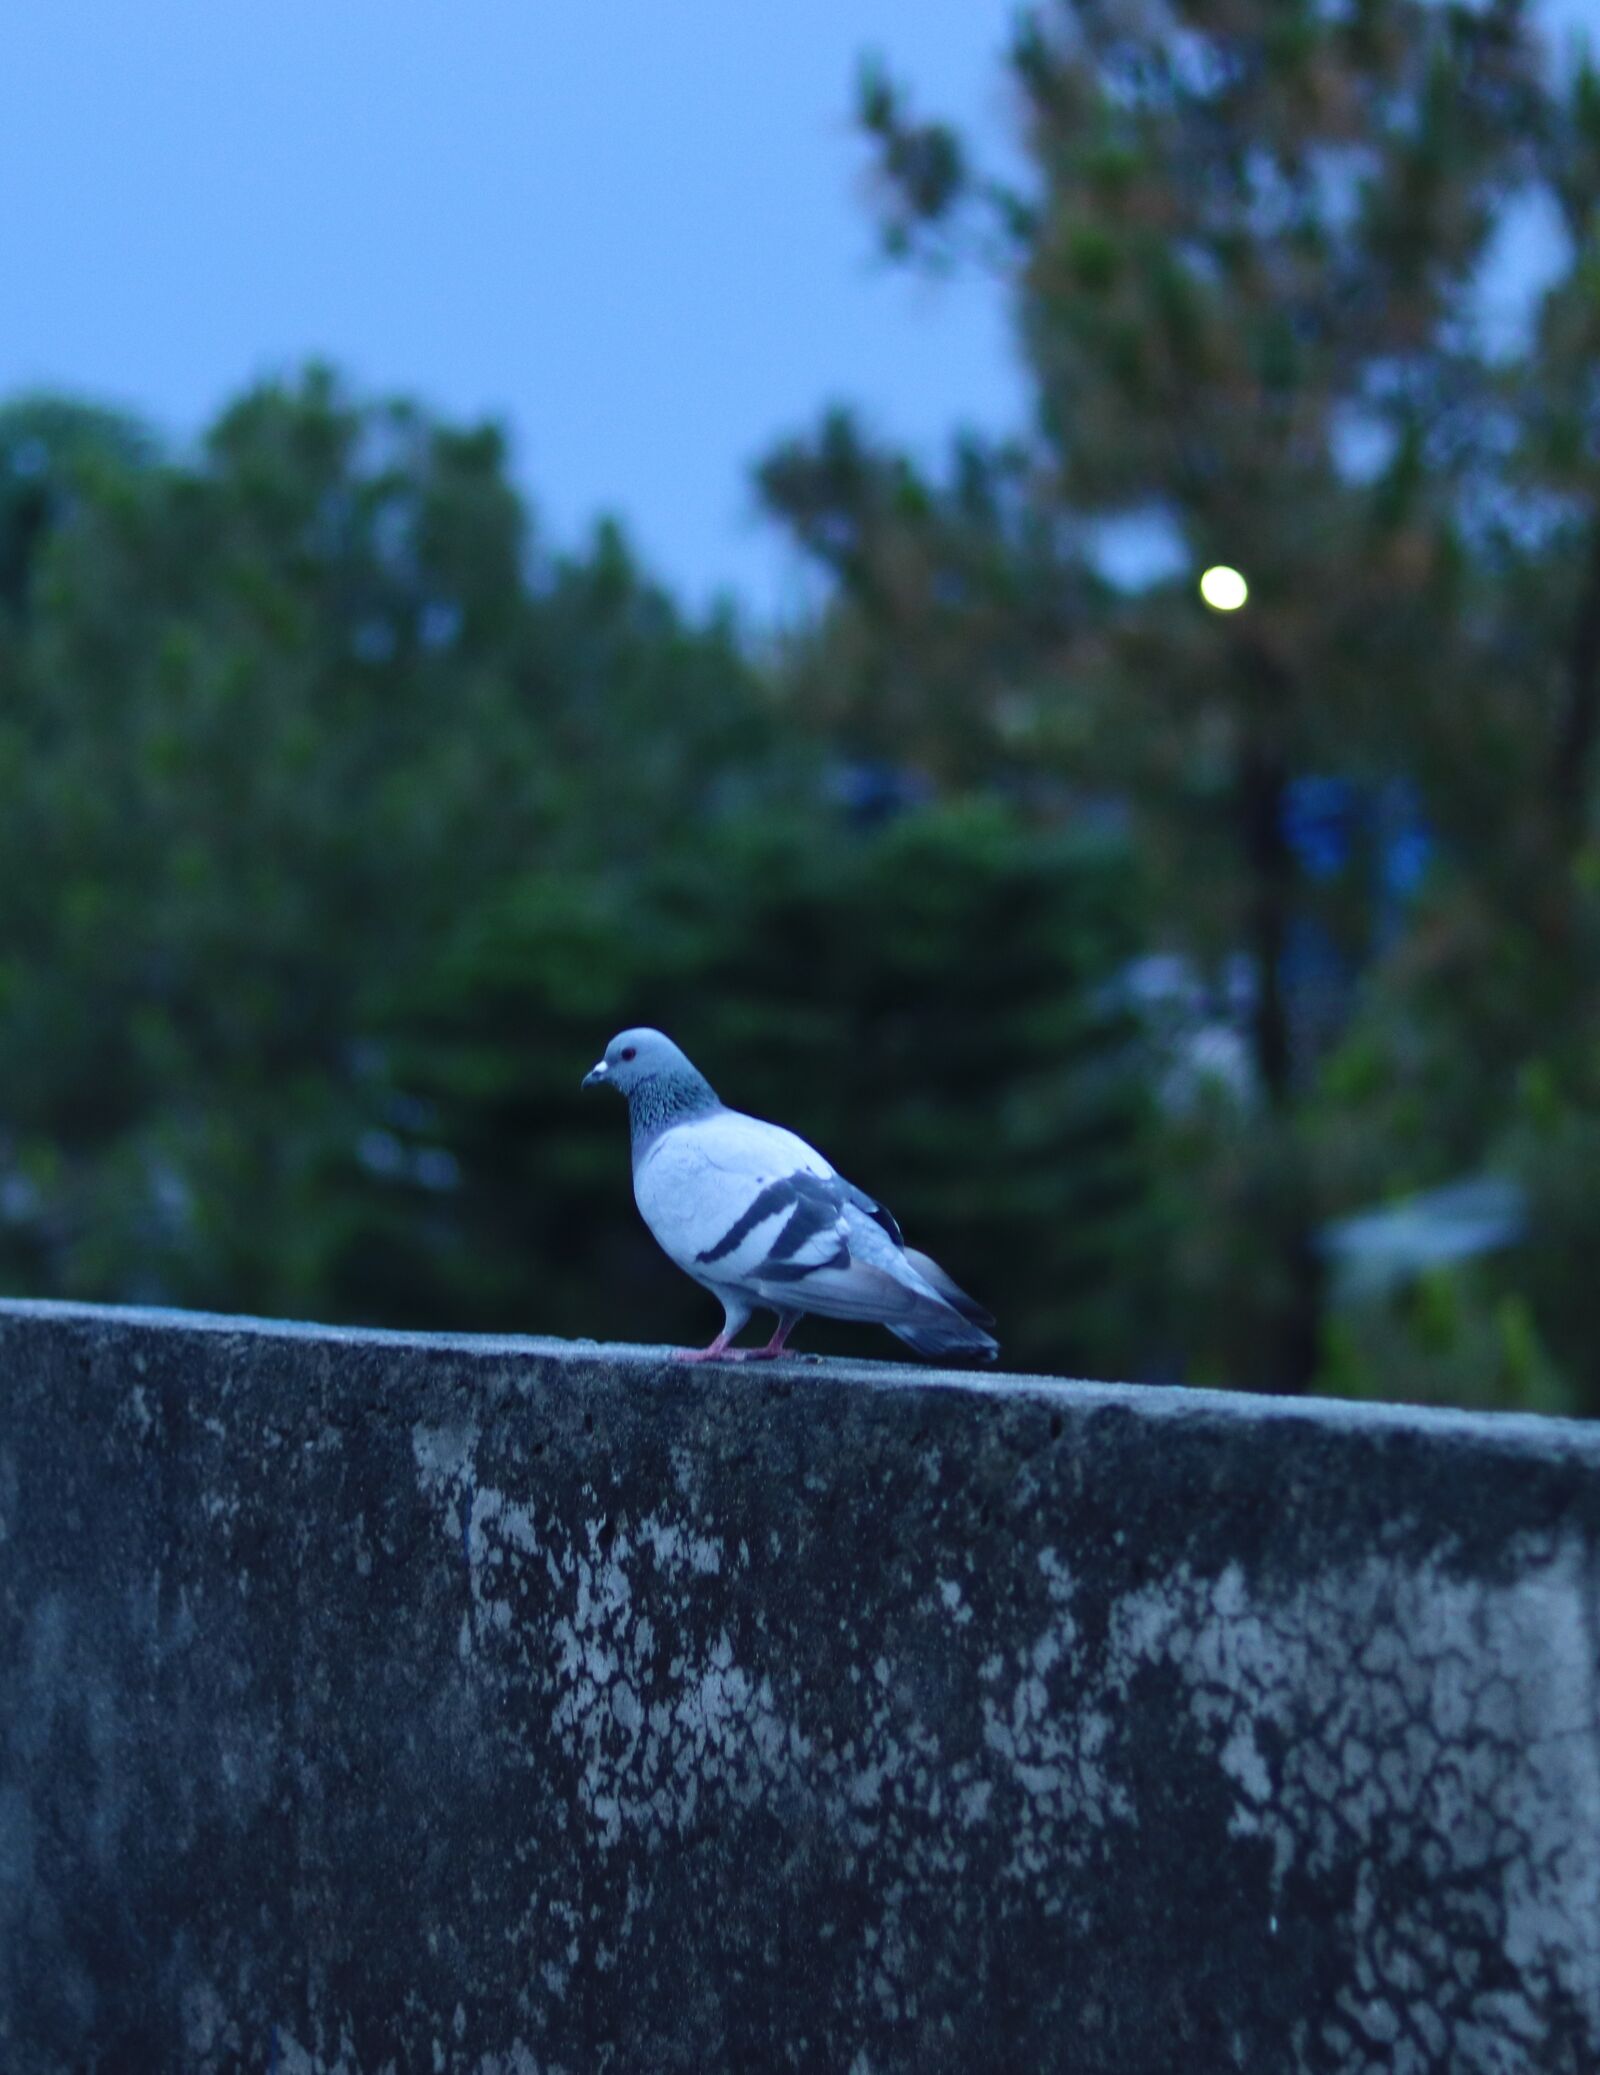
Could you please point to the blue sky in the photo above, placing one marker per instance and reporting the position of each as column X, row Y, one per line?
column 633, row 231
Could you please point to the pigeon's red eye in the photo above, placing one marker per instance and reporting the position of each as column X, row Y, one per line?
column 632, row 1052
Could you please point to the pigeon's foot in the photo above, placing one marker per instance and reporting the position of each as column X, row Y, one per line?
column 775, row 1346
column 718, row 1351
column 769, row 1353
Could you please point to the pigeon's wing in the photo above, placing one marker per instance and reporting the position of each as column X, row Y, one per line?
column 876, row 1276
column 858, row 1200
column 736, row 1201
column 864, row 1276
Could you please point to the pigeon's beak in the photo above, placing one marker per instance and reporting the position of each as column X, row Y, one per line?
column 597, row 1076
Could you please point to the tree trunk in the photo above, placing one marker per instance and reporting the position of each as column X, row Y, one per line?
column 1269, row 865
column 1571, row 772
column 1291, row 1358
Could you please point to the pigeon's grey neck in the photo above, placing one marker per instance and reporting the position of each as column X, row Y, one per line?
column 664, row 1099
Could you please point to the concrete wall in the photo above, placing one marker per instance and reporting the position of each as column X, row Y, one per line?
column 374, row 1702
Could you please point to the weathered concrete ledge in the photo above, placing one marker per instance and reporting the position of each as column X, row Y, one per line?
column 370, row 1702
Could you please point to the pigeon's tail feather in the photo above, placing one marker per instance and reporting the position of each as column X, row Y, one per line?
column 949, row 1289
column 950, row 1335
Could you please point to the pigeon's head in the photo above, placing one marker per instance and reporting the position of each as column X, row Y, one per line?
column 636, row 1056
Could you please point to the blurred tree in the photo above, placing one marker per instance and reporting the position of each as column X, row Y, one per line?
column 1244, row 263
column 1482, row 1042
column 960, row 605
column 51, row 448
column 273, row 722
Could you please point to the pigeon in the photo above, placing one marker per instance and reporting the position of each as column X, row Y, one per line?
column 764, row 1223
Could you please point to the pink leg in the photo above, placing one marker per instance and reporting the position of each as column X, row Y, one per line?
column 718, row 1351
column 702, row 1353
column 787, row 1321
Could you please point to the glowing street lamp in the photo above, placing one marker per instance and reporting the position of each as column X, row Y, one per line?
column 1223, row 589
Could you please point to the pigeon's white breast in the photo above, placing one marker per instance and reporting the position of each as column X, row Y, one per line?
column 699, row 1179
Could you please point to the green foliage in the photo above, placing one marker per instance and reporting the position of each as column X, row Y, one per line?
column 1451, row 1339
column 1247, row 263
column 52, row 451
column 275, row 722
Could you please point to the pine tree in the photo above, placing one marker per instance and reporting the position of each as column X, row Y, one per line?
column 1242, row 267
